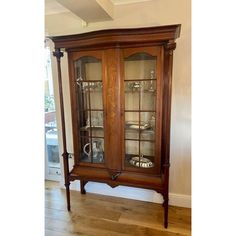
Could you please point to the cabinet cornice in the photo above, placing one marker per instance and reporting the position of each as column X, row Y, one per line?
column 114, row 37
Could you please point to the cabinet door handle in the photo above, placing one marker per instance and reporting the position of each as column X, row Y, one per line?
column 113, row 177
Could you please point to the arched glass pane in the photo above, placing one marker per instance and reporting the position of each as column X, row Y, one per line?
column 140, row 66
column 88, row 68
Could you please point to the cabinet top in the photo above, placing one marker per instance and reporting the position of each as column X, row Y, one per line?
column 118, row 37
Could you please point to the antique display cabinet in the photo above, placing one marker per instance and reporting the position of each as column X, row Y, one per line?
column 120, row 90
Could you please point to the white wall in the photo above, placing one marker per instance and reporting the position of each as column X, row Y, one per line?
column 152, row 13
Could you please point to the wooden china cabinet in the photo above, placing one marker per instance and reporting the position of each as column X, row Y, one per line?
column 120, row 89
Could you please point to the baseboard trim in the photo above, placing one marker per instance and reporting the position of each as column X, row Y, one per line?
column 180, row 200
column 175, row 199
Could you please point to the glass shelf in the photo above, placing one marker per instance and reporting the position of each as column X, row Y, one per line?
column 86, row 128
column 143, row 91
column 89, row 131
column 140, row 85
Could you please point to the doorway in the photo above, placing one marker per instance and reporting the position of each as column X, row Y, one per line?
column 52, row 160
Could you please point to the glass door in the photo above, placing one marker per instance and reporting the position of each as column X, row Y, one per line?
column 141, row 109
column 52, row 162
column 89, row 87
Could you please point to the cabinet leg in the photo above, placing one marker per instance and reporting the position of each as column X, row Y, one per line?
column 82, row 184
column 68, row 195
column 166, row 206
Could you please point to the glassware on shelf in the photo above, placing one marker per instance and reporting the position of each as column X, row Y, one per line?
column 96, row 149
column 79, row 79
column 152, row 121
column 152, row 74
column 88, row 122
column 85, row 86
column 96, row 120
column 152, row 77
column 144, row 85
column 100, row 119
column 133, row 86
column 148, row 85
column 89, row 86
column 99, row 86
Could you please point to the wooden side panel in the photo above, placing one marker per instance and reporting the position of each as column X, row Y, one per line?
column 112, row 109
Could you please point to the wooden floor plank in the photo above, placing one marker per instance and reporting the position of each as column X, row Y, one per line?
column 94, row 214
column 95, row 226
column 89, row 209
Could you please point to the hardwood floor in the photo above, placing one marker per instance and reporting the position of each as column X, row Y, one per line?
column 100, row 215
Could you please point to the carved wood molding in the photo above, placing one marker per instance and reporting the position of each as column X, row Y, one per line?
column 170, row 47
column 65, row 155
column 73, row 178
column 118, row 36
column 58, row 54
column 112, row 184
column 114, row 174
